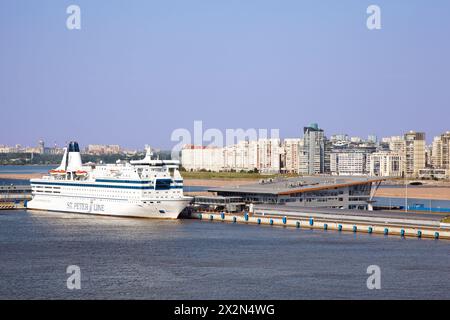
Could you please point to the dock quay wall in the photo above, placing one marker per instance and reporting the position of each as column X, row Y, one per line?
column 10, row 205
column 14, row 196
column 409, row 228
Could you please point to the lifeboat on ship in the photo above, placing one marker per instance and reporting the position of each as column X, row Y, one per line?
column 57, row 172
column 81, row 173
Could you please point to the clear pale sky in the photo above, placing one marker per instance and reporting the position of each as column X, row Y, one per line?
column 137, row 70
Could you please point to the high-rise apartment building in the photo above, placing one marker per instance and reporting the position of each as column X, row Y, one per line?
column 440, row 151
column 396, row 144
column 41, row 146
column 372, row 138
column 202, row 158
column 312, row 154
column 263, row 155
column 292, row 149
column 385, row 164
column 328, row 148
column 339, row 137
column 414, row 153
column 269, row 155
column 348, row 163
column 241, row 156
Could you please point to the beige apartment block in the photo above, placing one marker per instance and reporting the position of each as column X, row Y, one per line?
column 385, row 164
column 292, row 149
column 440, row 152
column 414, row 154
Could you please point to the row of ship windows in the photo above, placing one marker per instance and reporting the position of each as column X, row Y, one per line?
column 45, row 187
column 101, row 200
column 38, row 191
column 46, row 191
column 117, row 201
column 106, row 190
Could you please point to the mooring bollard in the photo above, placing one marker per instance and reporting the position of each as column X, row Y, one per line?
column 284, row 220
column 258, row 221
column 311, row 221
column 339, row 227
column 234, row 219
column 386, row 231
column 325, row 226
column 271, row 221
column 211, row 217
column 436, row 235
column 370, row 230
column 222, row 215
column 419, row 234
column 246, row 216
column 355, row 229
column 297, row 224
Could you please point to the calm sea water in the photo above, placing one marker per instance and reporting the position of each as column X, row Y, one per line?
column 25, row 169
column 189, row 259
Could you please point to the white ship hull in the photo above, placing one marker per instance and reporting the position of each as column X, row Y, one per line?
column 159, row 209
column 140, row 188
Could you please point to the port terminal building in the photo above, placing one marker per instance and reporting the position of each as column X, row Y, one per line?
column 312, row 191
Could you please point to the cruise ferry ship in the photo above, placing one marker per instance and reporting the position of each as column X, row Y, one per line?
column 146, row 188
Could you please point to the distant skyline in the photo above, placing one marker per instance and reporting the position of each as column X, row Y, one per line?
column 84, row 144
column 138, row 70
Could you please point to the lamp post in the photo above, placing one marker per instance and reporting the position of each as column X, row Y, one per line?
column 406, row 194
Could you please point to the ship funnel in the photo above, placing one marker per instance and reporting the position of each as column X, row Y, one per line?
column 73, row 157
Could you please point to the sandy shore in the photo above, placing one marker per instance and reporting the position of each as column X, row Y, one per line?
column 432, row 193
column 427, row 183
column 26, row 176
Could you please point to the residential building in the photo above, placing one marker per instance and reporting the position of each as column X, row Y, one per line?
column 414, row 153
column 39, row 149
column 263, row 155
column 195, row 158
column 440, row 151
column 432, row 173
column 372, row 139
column 312, row 154
column 102, row 149
column 385, row 164
column 269, row 155
column 339, row 137
column 348, row 163
column 356, row 140
column 292, row 149
column 396, row 144
column 242, row 156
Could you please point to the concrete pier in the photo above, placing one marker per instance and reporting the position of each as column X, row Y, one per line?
column 6, row 205
column 14, row 196
column 409, row 228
